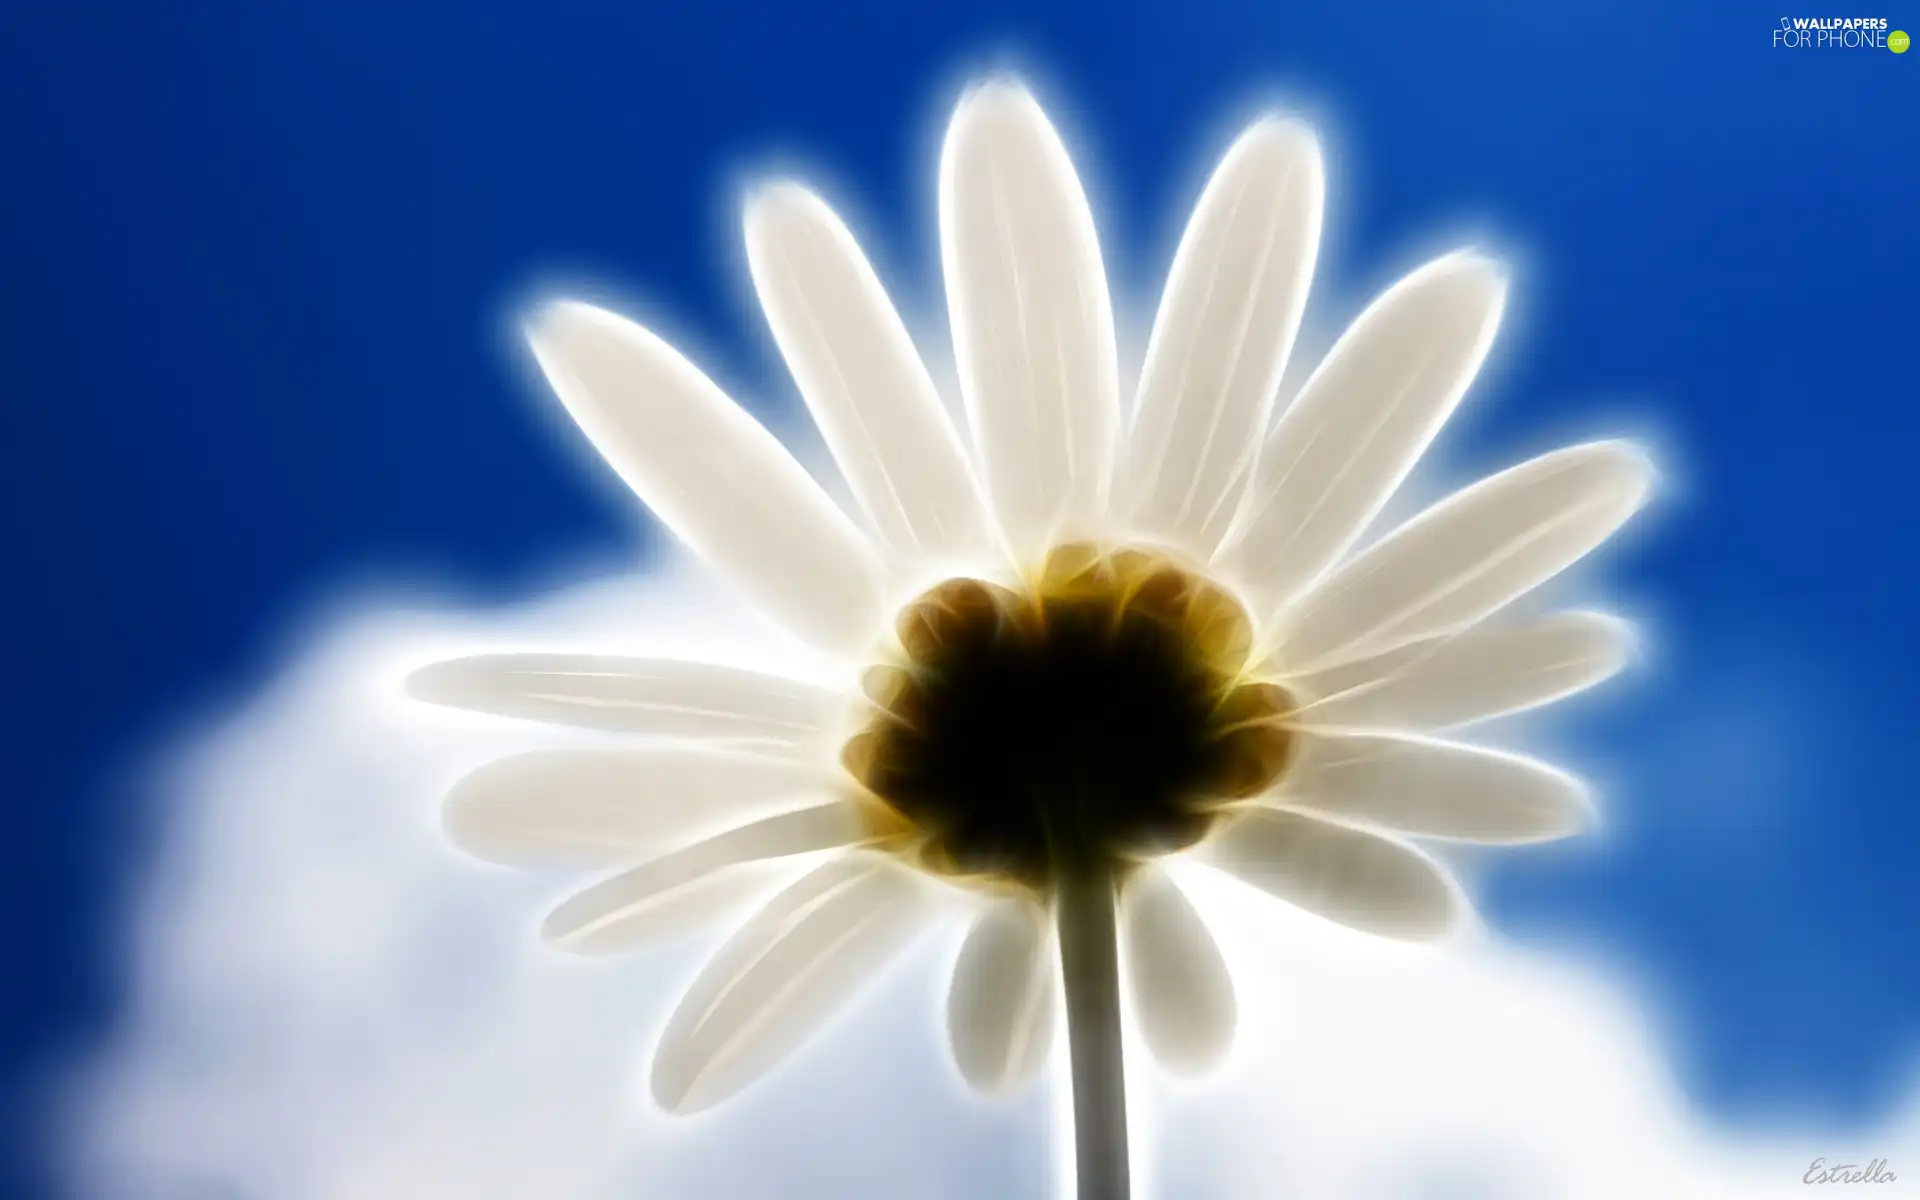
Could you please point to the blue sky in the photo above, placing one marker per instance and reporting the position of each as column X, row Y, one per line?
column 255, row 268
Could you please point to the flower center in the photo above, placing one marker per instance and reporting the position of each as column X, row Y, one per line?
column 1097, row 719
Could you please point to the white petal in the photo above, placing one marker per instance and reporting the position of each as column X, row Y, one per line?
column 1000, row 1011
column 1469, row 676
column 653, row 696
column 1435, row 789
column 713, row 475
column 1469, row 555
column 1361, row 421
column 1220, row 343
column 1359, row 879
column 669, row 894
column 610, row 806
column 794, row 965
column 1032, row 321
column 1182, row 994
column 862, row 379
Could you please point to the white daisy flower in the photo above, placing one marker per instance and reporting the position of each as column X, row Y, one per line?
column 1071, row 644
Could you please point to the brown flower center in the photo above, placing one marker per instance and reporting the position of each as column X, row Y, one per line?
column 1097, row 719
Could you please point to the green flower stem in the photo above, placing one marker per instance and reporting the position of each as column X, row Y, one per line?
column 1089, row 961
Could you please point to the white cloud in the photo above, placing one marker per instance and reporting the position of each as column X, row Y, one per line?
column 328, row 1003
